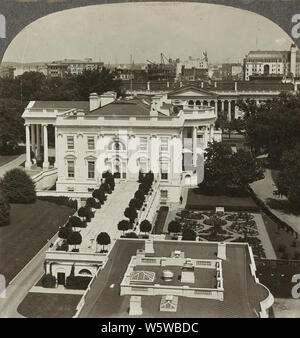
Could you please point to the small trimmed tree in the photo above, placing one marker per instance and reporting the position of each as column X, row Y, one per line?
column 64, row 232
column 189, row 235
column 103, row 239
column 74, row 222
column 48, row 281
column 75, row 238
column 123, row 226
column 140, row 195
column 130, row 213
column 91, row 202
column 145, row 226
column 4, row 211
column 18, row 187
column 84, row 213
column 99, row 195
column 174, row 227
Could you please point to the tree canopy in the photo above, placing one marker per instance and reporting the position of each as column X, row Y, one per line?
column 18, row 187
column 227, row 169
column 103, row 239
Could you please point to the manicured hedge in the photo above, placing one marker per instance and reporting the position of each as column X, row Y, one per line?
column 60, row 200
column 160, row 220
column 77, row 282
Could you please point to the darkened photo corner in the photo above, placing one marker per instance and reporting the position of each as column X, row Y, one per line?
column 149, row 162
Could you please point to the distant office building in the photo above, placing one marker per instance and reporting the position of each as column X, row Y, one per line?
column 193, row 69
column 272, row 63
column 73, row 67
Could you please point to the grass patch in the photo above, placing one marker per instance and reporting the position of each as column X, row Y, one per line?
column 49, row 305
column 283, row 205
column 279, row 237
column 4, row 159
column 30, row 227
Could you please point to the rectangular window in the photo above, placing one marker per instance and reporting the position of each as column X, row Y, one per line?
column 164, row 144
column 91, row 169
column 91, row 142
column 164, row 194
column 70, row 142
column 164, row 171
column 71, row 169
column 143, row 143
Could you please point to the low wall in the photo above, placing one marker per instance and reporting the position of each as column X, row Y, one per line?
column 45, row 179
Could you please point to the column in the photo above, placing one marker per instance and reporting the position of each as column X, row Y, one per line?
column 32, row 138
column 194, row 145
column 28, row 157
column 222, row 106
column 55, row 147
column 205, row 137
column 229, row 110
column 154, row 155
column 38, row 142
column 211, row 136
column 46, row 161
column 201, row 103
column 216, row 108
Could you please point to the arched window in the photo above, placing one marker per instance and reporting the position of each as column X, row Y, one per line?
column 198, row 103
column 85, row 272
column 191, row 103
column 117, row 145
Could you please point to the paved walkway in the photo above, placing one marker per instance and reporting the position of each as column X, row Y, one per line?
column 264, row 190
column 12, row 164
column 59, row 290
column 107, row 218
column 18, row 288
column 264, row 237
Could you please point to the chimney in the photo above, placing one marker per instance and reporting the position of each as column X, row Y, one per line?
column 94, row 101
column 202, row 84
column 295, row 86
column 235, row 86
column 215, row 84
column 107, row 98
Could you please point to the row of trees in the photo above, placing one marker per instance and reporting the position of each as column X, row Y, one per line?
column 137, row 203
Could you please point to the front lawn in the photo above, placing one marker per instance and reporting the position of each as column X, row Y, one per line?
column 4, row 159
column 49, row 305
column 30, row 227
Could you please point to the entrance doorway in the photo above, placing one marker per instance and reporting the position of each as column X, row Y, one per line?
column 61, row 278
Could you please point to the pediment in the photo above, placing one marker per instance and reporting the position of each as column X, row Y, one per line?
column 192, row 92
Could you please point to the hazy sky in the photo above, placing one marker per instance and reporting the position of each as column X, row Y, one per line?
column 112, row 33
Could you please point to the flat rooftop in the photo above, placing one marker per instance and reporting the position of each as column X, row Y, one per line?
column 242, row 296
column 204, row 278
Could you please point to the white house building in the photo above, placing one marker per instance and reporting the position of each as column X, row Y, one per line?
column 165, row 134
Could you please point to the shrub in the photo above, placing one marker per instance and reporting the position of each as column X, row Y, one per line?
column 131, row 235
column 145, row 226
column 99, row 195
column 18, row 187
column 130, row 213
column 48, row 281
column 174, row 227
column 60, row 200
column 123, row 225
column 74, row 222
column 74, row 238
column 189, row 235
column 83, row 212
column 103, row 239
column 91, row 202
column 4, row 211
column 77, row 282
column 64, row 232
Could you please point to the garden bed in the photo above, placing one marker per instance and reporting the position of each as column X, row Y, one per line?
column 160, row 220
